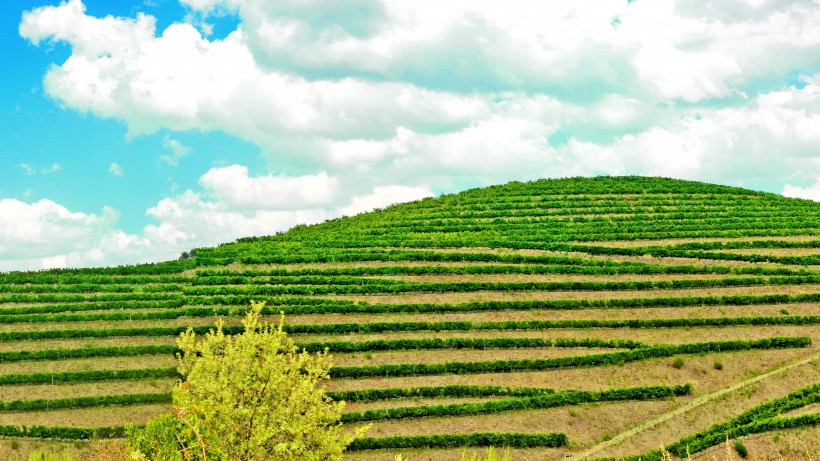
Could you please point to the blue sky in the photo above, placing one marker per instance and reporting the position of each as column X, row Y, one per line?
column 136, row 130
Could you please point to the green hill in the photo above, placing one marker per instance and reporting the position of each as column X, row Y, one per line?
column 554, row 316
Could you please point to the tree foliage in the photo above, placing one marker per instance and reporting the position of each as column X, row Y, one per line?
column 252, row 396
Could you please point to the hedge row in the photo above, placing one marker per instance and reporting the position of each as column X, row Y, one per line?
column 745, row 244
column 80, row 307
column 164, row 314
column 611, row 358
column 76, row 298
column 676, row 252
column 171, row 310
column 258, row 275
column 277, row 305
column 87, row 376
column 487, row 439
column 70, row 278
column 465, row 343
column 63, row 433
column 91, row 288
column 84, row 402
column 332, row 346
column 76, row 353
column 336, row 347
column 455, row 390
column 380, row 327
column 516, row 404
column 395, row 287
column 535, row 211
column 449, row 367
column 317, row 254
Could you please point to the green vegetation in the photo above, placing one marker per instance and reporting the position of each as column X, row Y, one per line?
column 252, row 396
column 541, row 316
column 741, row 449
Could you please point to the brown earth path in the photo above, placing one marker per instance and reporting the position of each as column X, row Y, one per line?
column 685, row 408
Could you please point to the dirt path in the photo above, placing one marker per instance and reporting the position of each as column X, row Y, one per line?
column 685, row 408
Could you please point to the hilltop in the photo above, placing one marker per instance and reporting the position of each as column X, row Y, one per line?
column 585, row 316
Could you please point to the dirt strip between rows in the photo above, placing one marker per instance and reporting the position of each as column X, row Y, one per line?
column 685, row 408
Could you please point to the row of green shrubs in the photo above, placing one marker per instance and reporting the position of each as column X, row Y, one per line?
column 24, row 298
column 172, row 309
column 332, row 346
column 611, row 358
column 92, row 288
column 85, row 352
column 466, row 343
column 85, row 402
column 394, row 287
column 485, row 439
column 679, row 252
column 454, row 390
column 41, row 278
column 63, row 433
column 380, row 327
column 558, row 399
column 540, row 399
column 653, row 209
column 65, row 377
column 90, row 306
column 322, row 306
column 448, row 367
column 259, row 275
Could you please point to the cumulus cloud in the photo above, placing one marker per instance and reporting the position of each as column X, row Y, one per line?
column 374, row 101
column 231, row 204
column 234, row 187
column 810, row 192
column 115, row 169
column 43, row 228
column 681, row 50
column 400, row 92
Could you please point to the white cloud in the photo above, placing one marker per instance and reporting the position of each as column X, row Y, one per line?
column 233, row 187
column 28, row 170
column 115, row 169
column 43, row 228
column 231, row 204
column 810, row 192
column 383, row 196
column 373, row 101
column 168, row 82
column 391, row 92
column 176, row 150
column 679, row 50
column 189, row 220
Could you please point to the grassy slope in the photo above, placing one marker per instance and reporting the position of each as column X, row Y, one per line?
column 684, row 255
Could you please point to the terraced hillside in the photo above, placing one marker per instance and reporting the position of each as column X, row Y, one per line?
column 596, row 317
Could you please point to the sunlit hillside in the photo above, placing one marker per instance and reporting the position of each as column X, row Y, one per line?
column 598, row 318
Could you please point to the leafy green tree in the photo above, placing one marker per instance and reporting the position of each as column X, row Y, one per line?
column 251, row 396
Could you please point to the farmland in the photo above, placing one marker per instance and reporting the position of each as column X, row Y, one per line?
column 600, row 317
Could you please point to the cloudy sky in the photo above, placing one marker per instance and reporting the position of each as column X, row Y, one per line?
column 134, row 130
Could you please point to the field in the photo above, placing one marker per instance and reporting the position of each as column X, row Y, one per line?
column 568, row 319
